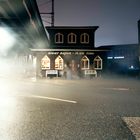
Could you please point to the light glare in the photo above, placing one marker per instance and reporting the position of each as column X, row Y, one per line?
column 7, row 40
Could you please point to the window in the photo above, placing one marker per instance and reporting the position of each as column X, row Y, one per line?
column 45, row 62
column 59, row 38
column 84, row 63
column 98, row 62
column 84, row 38
column 71, row 38
column 59, row 63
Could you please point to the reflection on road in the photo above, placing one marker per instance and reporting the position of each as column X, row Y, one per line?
column 49, row 98
column 7, row 108
column 37, row 110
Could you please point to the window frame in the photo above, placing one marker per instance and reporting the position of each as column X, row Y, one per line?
column 98, row 60
column 59, row 38
column 45, row 59
column 84, row 38
column 85, row 59
column 72, row 38
column 59, row 68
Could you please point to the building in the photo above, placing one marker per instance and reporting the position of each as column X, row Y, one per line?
column 123, row 59
column 66, row 51
column 139, row 31
column 71, row 51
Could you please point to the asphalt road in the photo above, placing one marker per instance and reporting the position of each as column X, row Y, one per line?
column 67, row 109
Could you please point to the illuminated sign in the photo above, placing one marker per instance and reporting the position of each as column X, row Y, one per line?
column 70, row 53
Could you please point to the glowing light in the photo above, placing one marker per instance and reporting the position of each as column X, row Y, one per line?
column 59, row 63
column 7, row 108
column 110, row 57
column 34, row 61
column 119, row 57
column 6, row 40
column 131, row 67
column 45, row 62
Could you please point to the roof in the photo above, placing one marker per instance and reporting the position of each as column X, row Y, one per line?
column 118, row 46
column 23, row 18
column 67, row 50
column 72, row 27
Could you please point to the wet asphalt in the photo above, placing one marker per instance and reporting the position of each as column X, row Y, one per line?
column 68, row 109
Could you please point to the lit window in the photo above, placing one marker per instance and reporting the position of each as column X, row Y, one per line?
column 72, row 38
column 59, row 63
column 59, row 38
column 45, row 62
column 109, row 57
column 84, row 63
column 98, row 63
column 84, row 38
column 119, row 57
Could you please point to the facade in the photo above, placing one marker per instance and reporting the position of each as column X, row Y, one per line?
column 123, row 59
column 71, row 53
column 65, row 51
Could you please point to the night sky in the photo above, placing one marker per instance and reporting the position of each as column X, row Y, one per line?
column 117, row 19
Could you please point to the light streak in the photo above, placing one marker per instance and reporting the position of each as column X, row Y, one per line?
column 49, row 98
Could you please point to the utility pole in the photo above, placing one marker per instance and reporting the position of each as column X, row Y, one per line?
column 50, row 13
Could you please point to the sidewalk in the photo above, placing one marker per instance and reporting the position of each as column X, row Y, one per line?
column 133, row 123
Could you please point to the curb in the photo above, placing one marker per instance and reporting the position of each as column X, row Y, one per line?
column 133, row 123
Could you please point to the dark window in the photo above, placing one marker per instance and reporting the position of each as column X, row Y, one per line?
column 84, row 38
column 71, row 38
column 59, row 38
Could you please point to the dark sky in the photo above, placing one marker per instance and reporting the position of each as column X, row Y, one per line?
column 117, row 19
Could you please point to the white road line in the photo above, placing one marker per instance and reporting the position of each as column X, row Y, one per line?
column 49, row 98
column 121, row 89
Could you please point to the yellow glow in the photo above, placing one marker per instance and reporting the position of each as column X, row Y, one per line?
column 45, row 62
column 59, row 63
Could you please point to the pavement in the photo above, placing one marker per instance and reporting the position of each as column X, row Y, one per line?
column 58, row 109
column 133, row 123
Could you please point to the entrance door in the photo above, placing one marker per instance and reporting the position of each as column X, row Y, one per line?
column 74, row 66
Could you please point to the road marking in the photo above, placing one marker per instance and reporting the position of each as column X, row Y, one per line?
column 121, row 89
column 49, row 98
column 133, row 123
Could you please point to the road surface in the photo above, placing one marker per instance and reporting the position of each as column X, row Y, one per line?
column 67, row 109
